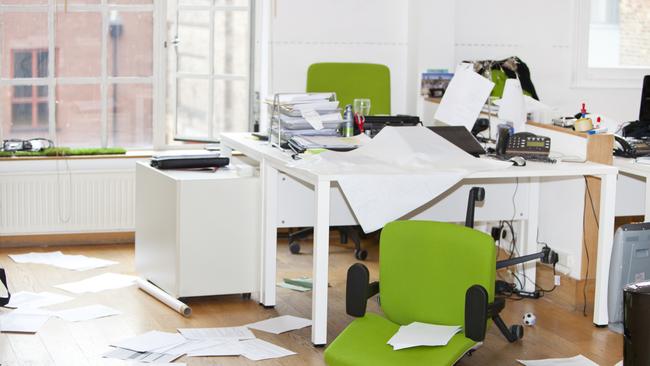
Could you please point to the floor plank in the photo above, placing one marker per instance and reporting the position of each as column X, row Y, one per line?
column 558, row 333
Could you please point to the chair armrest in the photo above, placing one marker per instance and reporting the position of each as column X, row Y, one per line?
column 358, row 290
column 476, row 313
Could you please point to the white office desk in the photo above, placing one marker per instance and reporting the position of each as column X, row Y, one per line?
column 273, row 164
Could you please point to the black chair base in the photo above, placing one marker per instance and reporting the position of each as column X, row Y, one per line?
column 345, row 233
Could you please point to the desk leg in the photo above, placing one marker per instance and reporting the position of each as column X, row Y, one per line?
column 605, row 242
column 321, row 257
column 647, row 200
column 528, row 237
column 269, row 234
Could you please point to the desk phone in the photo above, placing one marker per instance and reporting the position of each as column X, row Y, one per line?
column 523, row 144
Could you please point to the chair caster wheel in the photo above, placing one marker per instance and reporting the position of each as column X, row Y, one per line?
column 246, row 296
column 361, row 254
column 294, row 247
column 517, row 331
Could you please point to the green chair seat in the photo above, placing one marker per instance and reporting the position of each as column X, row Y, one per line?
column 363, row 342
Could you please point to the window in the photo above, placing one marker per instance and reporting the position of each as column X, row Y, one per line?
column 29, row 108
column 79, row 72
column 612, row 43
column 209, row 68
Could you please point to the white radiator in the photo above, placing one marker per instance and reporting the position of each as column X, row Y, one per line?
column 66, row 201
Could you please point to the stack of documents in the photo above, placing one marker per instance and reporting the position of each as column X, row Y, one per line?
column 421, row 334
column 309, row 114
column 58, row 259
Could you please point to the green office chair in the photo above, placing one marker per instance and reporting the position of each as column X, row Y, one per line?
column 352, row 80
column 349, row 81
column 430, row 272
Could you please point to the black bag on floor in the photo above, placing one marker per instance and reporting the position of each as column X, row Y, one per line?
column 3, row 278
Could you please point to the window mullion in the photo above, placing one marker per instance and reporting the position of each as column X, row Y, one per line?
column 51, row 80
column 211, row 122
column 104, row 76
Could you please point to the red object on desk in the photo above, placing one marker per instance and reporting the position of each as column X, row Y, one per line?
column 359, row 120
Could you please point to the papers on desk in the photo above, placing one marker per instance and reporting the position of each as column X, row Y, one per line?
column 465, row 96
column 512, row 107
column 578, row 360
column 422, row 334
column 280, row 324
column 106, row 281
column 399, row 170
column 58, row 259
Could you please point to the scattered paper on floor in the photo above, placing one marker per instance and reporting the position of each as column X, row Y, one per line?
column 578, row 360
column 222, row 333
column 150, row 341
column 29, row 299
column 280, row 324
column 58, row 259
column 147, row 357
column 24, row 320
column 257, row 350
column 230, row 348
column 293, row 287
column 422, row 334
column 86, row 313
column 106, row 281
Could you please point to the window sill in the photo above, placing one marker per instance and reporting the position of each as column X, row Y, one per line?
column 138, row 154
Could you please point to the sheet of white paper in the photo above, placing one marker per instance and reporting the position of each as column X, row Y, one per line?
column 26, row 299
column 224, row 333
column 86, row 313
column 58, row 259
column 150, row 341
column 578, row 360
column 465, row 96
column 23, row 322
column 149, row 358
column 186, row 347
column 620, row 363
column 257, row 349
column 421, row 334
column 399, row 170
column 293, row 287
column 280, row 324
column 230, row 348
column 512, row 107
column 319, row 106
column 297, row 98
column 106, row 281
column 312, row 117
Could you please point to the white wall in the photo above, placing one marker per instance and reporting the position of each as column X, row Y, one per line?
column 309, row 31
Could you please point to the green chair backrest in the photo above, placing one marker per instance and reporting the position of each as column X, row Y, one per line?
column 425, row 267
column 352, row 80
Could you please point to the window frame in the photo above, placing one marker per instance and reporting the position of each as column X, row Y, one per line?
column 583, row 76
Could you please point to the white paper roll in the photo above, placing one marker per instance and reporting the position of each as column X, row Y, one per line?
column 164, row 297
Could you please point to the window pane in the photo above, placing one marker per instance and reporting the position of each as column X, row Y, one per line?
column 130, row 2
column 78, row 113
column 22, row 2
column 43, row 114
column 42, row 91
column 78, row 44
column 619, row 35
column 21, row 114
column 130, row 110
column 41, row 63
column 231, row 45
column 130, row 42
column 20, row 34
column 23, row 91
column 232, row 2
column 231, row 106
column 192, row 108
column 194, row 37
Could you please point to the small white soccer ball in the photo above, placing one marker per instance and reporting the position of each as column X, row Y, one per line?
column 529, row 319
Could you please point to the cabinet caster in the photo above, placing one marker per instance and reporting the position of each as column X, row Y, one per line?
column 294, row 247
column 517, row 331
column 361, row 254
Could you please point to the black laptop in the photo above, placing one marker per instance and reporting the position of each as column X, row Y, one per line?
column 461, row 137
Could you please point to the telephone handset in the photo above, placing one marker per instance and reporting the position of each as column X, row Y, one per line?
column 523, row 144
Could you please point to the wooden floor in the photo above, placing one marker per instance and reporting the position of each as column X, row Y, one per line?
column 557, row 333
